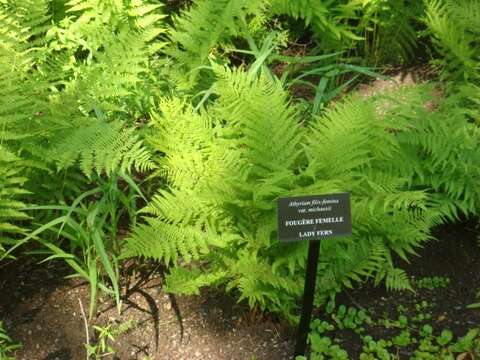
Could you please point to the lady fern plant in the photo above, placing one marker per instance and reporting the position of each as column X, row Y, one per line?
column 226, row 165
column 210, row 214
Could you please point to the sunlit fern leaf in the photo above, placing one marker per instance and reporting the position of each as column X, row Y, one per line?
column 256, row 107
column 104, row 148
column 167, row 242
column 184, row 137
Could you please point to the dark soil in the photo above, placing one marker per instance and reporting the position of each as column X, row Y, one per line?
column 42, row 310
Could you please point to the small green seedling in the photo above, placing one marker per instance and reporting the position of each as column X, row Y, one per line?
column 444, row 338
column 106, row 335
column 373, row 350
column 323, row 347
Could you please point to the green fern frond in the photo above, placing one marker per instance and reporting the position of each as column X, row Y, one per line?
column 258, row 284
column 343, row 262
column 255, row 107
column 168, row 242
column 24, row 22
column 290, row 256
column 395, row 279
column 183, row 135
column 102, row 147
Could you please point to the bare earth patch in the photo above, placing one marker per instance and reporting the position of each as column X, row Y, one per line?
column 42, row 311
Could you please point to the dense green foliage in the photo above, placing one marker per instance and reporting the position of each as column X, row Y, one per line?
column 213, row 113
column 65, row 89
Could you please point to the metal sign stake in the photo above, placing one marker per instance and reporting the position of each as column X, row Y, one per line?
column 309, row 293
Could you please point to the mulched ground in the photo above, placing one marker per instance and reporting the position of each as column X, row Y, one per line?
column 41, row 309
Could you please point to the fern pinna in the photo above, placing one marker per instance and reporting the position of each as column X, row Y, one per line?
column 227, row 164
column 11, row 194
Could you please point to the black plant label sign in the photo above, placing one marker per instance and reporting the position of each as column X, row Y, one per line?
column 314, row 217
